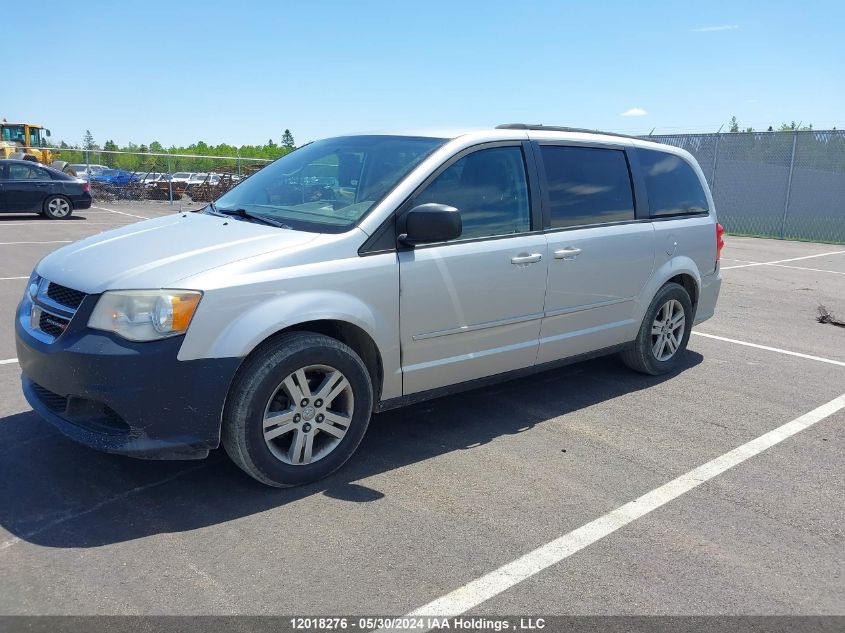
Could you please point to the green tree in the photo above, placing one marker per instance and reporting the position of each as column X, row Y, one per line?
column 792, row 126
column 287, row 141
column 110, row 159
column 733, row 126
column 88, row 141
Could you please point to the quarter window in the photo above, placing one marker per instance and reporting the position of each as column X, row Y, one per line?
column 490, row 190
column 587, row 185
column 672, row 185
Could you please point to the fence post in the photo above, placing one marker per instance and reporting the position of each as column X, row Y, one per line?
column 788, row 185
column 238, row 152
column 715, row 160
column 169, row 179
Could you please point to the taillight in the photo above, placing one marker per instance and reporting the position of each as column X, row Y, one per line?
column 720, row 242
column 85, row 188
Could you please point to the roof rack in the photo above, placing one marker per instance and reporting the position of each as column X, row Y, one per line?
column 555, row 128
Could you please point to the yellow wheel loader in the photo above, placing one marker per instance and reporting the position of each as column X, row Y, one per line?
column 25, row 141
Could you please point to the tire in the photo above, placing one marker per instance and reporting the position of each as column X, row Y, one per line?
column 646, row 354
column 57, row 208
column 262, row 423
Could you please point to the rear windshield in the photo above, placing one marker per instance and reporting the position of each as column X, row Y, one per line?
column 328, row 185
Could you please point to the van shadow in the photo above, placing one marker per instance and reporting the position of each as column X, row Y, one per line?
column 55, row 493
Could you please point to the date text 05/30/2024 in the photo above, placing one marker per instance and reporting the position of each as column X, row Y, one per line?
column 417, row 623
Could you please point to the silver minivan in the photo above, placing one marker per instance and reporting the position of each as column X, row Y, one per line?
column 361, row 273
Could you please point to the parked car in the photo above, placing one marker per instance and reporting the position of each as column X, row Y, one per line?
column 117, row 177
column 182, row 177
column 150, row 177
column 28, row 187
column 203, row 178
column 84, row 171
column 281, row 317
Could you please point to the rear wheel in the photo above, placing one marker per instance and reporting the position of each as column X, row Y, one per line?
column 57, row 208
column 297, row 410
column 664, row 332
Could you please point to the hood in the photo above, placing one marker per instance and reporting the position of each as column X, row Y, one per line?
column 159, row 252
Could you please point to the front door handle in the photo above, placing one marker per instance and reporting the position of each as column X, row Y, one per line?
column 570, row 252
column 526, row 258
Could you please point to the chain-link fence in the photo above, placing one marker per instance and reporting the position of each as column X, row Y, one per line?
column 788, row 185
column 121, row 175
column 768, row 184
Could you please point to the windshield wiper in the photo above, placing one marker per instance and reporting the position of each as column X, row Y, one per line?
column 243, row 213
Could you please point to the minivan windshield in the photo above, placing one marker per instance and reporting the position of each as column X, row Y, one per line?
column 328, row 185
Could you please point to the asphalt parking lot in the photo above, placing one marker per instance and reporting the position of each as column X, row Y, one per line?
column 443, row 493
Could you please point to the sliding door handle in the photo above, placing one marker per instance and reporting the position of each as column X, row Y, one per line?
column 570, row 252
column 526, row 258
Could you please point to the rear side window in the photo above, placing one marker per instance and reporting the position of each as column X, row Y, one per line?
column 25, row 172
column 490, row 190
column 672, row 185
column 587, row 185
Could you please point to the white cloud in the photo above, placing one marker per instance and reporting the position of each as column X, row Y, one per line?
column 722, row 27
column 634, row 112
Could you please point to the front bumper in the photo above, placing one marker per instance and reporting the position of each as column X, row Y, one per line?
column 117, row 396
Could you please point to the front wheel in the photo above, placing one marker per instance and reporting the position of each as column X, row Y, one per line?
column 297, row 409
column 57, row 208
column 664, row 332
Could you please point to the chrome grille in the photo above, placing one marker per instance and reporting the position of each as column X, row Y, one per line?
column 52, row 324
column 52, row 308
column 65, row 296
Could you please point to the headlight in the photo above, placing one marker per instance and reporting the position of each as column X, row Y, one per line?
column 145, row 315
column 32, row 286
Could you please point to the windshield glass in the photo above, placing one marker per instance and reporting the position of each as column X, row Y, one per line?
column 36, row 137
column 13, row 133
column 328, row 185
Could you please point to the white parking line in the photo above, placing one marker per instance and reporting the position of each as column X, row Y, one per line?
column 122, row 213
column 50, row 242
column 492, row 584
column 77, row 223
column 8, row 361
column 816, row 270
column 771, row 349
column 783, row 261
column 10, row 278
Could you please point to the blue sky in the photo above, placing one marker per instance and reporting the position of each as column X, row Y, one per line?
column 242, row 72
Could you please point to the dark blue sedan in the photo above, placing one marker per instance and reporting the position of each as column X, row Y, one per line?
column 27, row 187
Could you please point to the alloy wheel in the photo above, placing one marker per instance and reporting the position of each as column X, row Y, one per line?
column 58, row 207
column 667, row 331
column 308, row 415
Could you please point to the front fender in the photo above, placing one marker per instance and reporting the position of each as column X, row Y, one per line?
column 249, row 328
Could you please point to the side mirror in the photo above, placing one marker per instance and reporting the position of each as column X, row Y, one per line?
column 431, row 222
